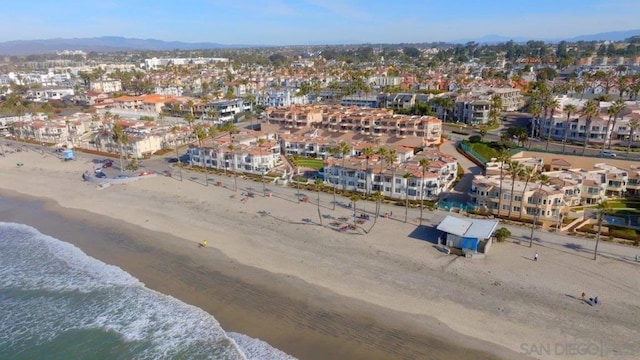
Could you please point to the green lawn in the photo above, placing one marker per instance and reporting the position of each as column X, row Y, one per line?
column 484, row 150
column 310, row 163
column 624, row 204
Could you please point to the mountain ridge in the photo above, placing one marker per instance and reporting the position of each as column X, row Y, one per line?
column 120, row 43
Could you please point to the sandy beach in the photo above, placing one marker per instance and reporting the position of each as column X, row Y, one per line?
column 272, row 272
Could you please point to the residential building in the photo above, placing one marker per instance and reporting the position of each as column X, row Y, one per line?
column 105, row 85
column 397, row 180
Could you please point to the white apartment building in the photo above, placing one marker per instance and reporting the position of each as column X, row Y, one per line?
column 397, row 180
column 249, row 158
column 105, row 85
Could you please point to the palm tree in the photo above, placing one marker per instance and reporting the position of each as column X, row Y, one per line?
column 333, row 151
column 535, row 110
column 447, row 104
column 390, row 158
column 201, row 134
column 319, row 183
column 503, row 158
column 233, row 164
column 552, row 104
column 406, row 177
column 377, row 197
column 528, row 173
column 569, row 109
column 382, row 153
column 264, row 189
column 354, row 199
column 615, row 109
column 543, row 179
column 368, row 153
column 514, row 170
column 590, row 110
column 229, row 127
column 602, row 209
column 213, row 132
column 119, row 137
column 174, row 131
column 633, row 127
column 424, row 164
column 344, row 149
column 190, row 119
column 495, row 109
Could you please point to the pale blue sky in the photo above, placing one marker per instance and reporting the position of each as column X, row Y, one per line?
column 281, row 22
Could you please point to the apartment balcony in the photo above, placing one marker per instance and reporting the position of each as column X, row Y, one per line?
column 591, row 195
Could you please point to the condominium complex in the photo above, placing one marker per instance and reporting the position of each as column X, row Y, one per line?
column 375, row 122
column 567, row 187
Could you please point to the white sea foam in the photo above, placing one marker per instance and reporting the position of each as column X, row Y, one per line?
column 255, row 349
column 48, row 287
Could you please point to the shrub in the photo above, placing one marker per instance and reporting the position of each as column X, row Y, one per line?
column 622, row 233
column 502, row 234
column 475, row 138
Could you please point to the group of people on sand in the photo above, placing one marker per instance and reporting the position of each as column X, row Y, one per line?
column 592, row 301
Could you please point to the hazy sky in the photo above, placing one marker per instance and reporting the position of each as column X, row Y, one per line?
column 281, row 22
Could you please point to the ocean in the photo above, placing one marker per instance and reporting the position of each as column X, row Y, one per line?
column 58, row 303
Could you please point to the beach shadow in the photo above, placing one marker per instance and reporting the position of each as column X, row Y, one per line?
column 572, row 246
column 528, row 258
column 426, row 233
column 585, row 301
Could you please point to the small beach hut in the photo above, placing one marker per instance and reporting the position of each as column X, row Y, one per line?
column 466, row 233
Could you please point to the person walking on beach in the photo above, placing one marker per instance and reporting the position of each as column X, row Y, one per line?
column 595, row 300
column 535, row 257
column 583, row 295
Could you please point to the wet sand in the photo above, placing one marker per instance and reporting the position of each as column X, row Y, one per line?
column 303, row 320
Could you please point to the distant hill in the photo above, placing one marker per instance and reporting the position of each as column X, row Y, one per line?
column 100, row 44
column 612, row 36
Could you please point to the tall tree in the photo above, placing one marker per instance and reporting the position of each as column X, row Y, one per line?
column 424, row 165
column 590, row 110
column 527, row 174
column 368, row 152
column 552, row 104
column 634, row 124
column 232, row 149
column 602, row 209
column 201, row 134
column 544, row 180
column 382, row 153
column 503, row 158
column 119, row 137
column 615, row 109
column 259, row 142
column 514, row 170
column 391, row 158
column 333, row 151
column 407, row 178
column 345, row 149
column 569, row 109
column 377, row 198
column 319, row 183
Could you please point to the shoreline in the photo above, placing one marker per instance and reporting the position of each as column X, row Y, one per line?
column 291, row 315
column 350, row 283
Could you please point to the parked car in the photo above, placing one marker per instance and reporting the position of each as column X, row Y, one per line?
column 606, row 153
column 107, row 163
column 121, row 176
column 100, row 174
column 146, row 172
